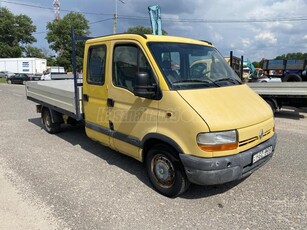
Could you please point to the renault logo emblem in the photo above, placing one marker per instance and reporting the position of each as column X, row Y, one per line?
column 261, row 134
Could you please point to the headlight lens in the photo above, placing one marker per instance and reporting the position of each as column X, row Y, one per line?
column 218, row 141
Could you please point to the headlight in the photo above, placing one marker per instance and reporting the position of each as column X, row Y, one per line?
column 218, row 141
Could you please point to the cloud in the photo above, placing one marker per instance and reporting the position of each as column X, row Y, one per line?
column 230, row 25
column 267, row 38
column 246, row 42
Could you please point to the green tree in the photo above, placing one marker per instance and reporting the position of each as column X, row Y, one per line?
column 59, row 38
column 15, row 32
column 256, row 64
column 292, row 56
column 142, row 30
column 31, row 51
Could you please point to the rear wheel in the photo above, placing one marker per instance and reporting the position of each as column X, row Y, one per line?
column 292, row 78
column 165, row 171
column 49, row 126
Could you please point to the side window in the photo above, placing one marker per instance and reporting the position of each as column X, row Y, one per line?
column 128, row 60
column 96, row 65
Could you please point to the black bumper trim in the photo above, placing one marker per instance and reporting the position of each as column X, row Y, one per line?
column 210, row 171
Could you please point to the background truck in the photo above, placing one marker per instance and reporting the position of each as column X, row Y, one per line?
column 276, row 93
column 55, row 73
column 287, row 70
column 291, row 91
column 30, row 66
column 181, row 123
column 279, row 94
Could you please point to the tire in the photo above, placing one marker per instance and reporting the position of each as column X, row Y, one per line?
column 165, row 171
column 272, row 105
column 9, row 82
column 292, row 78
column 49, row 126
column 23, row 82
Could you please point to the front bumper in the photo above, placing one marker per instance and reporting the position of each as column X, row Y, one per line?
column 210, row 171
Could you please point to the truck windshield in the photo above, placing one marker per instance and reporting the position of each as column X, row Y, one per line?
column 189, row 66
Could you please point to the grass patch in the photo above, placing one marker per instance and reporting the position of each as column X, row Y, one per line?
column 2, row 80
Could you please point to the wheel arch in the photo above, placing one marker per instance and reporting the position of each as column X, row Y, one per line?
column 153, row 139
column 56, row 117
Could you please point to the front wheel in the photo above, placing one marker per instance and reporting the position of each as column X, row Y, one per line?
column 9, row 81
column 165, row 171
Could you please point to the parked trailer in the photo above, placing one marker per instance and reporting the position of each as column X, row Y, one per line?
column 278, row 94
column 292, row 70
column 30, row 66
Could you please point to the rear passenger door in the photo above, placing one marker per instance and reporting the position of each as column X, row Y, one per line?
column 95, row 93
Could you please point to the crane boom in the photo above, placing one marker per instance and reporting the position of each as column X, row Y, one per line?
column 155, row 19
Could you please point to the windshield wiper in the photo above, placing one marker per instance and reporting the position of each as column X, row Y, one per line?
column 196, row 80
column 235, row 81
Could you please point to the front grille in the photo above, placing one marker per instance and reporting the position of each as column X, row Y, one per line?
column 267, row 132
column 247, row 141
column 255, row 138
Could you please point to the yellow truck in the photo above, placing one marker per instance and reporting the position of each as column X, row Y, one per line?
column 172, row 103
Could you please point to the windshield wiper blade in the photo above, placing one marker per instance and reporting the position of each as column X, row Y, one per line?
column 229, row 80
column 196, row 80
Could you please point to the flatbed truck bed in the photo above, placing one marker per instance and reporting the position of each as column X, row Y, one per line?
column 57, row 94
column 280, row 88
column 278, row 94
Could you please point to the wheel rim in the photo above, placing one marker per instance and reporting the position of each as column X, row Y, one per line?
column 47, row 120
column 163, row 170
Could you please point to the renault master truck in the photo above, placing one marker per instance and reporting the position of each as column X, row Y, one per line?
column 172, row 103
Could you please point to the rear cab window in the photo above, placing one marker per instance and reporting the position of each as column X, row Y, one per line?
column 96, row 65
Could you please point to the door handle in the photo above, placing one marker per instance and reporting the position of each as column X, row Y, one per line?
column 110, row 102
column 85, row 97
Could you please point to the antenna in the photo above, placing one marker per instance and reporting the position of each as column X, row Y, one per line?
column 56, row 8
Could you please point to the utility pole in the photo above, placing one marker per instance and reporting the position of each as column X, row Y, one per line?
column 115, row 16
column 114, row 22
column 56, row 8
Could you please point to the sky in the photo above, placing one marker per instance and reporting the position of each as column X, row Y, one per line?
column 253, row 29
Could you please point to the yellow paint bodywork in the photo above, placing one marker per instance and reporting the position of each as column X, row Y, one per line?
column 178, row 115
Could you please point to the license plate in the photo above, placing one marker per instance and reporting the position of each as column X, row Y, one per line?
column 263, row 153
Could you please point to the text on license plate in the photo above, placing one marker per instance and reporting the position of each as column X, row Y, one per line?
column 263, row 153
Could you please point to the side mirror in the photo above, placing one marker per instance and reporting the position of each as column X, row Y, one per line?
column 143, row 86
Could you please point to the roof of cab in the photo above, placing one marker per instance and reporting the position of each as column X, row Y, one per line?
column 148, row 38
